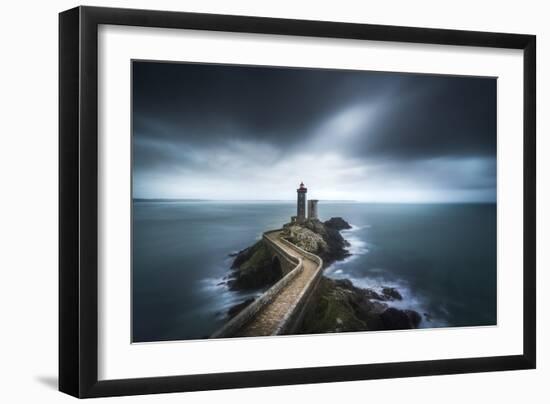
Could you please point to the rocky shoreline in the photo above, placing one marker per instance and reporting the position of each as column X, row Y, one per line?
column 336, row 305
column 339, row 306
column 252, row 268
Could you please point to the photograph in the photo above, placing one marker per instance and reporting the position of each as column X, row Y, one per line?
column 271, row 201
column 251, row 200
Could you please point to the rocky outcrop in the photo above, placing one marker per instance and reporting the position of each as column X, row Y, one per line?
column 395, row 319
column 253, row 269
column 339, row 306
column 392, row 294
column 337, row 223
column 336, row 305
column 319, row 238
column 306, row 239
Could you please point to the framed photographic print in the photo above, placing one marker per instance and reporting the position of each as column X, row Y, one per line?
column 250, row 201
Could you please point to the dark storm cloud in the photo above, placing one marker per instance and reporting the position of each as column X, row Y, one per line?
column 274, row 104
column 433, row 116
column 196, row 120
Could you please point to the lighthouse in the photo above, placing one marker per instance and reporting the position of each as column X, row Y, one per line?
column 301, row 211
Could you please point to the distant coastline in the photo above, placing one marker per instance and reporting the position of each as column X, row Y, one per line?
column 321, row 200
column 236, row 200
column 169, row 200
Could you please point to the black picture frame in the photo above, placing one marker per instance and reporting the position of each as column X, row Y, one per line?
column 78, row 201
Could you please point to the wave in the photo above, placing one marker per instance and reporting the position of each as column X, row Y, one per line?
column 213, row 284
column 356, row 248
column 223, row 298
column 410, row 300
column 378, row 280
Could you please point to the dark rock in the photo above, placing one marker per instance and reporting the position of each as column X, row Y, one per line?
column 337, row 223
column 253, row 268
column 395, row 319
column 339, row 306
column 333, row 308
column 244, row 255
column 337, row 246
column 344, row 283
column 236, row 309
column 373, row 295
column 415, row 317
column 392, row 294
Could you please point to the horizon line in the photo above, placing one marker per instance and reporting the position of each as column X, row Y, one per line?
column 293, row 200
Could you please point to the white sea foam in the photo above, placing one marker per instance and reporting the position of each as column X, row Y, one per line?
column 225, row 297
column 378, row 281
column 213, row 284
column 409, row 301
column 356, row 248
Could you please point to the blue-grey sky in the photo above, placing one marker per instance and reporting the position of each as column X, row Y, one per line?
column 244, row 132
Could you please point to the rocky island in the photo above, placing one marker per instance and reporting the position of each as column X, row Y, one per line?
column 336, row 305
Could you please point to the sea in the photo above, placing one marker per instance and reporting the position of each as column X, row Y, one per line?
column 440, row 257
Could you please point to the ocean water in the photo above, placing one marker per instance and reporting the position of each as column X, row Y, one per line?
column 441, row 257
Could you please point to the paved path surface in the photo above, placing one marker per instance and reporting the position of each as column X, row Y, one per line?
column 271, row 316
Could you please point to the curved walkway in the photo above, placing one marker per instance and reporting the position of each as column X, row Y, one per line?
column 272, row 317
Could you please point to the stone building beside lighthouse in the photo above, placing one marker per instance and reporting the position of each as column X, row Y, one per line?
column 312, row 209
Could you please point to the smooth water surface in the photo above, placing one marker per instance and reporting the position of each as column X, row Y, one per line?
column 441, row 257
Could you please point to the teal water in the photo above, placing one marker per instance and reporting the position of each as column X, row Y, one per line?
column 441, row 257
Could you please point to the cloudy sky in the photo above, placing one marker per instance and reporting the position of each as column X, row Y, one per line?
column 253, row 133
